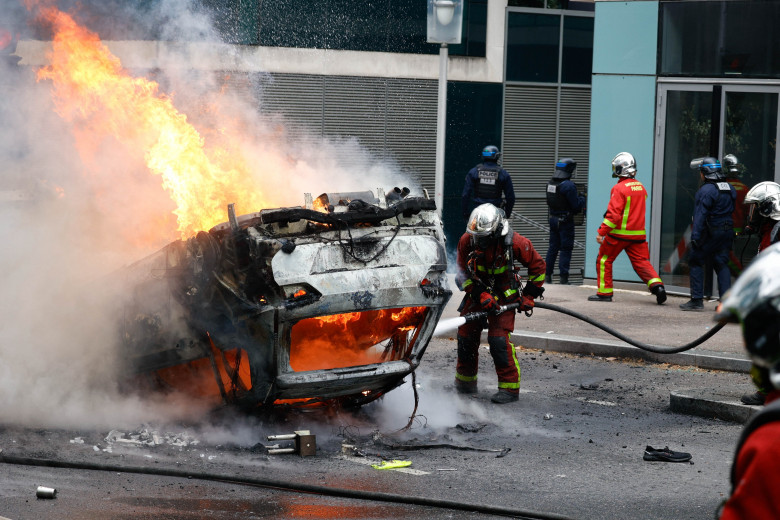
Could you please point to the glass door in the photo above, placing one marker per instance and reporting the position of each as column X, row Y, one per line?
column 699, row 120
column 749, row 132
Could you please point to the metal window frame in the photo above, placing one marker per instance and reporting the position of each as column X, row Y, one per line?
column 663, row 86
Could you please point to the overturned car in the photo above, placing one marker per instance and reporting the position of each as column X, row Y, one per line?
column 332, row 302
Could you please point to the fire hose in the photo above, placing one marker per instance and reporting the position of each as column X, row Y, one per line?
column 659, row 349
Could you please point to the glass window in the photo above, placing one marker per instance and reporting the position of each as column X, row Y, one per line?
column 532, row 47
column 720, row 38
column 577, row 49
column 688, row 124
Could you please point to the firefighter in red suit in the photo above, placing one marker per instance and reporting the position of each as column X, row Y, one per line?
column 487, row 273
column 623, row 228
column 762, row 201
column 754, row 302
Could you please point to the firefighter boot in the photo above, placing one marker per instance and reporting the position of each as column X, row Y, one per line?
column 660, row 294
column 465, row 387
column 504, row 396
column 599, row 298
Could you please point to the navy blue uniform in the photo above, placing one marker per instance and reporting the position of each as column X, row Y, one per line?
column 712, row 235
column 563, row 202
column 486, row 183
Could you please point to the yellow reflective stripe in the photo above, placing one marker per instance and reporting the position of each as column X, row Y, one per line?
column 651, row 281
column 537, row 278
column 628, row 232
column 609, row 223
column 467, row 379
column 498, row 270
column 626, row 211
column 602, row 271
column 467, row 283
column 512, row 386
column 509, row 292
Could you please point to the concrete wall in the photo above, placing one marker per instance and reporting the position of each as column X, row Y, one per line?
column 622, row 110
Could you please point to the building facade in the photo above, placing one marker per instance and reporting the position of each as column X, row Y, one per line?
column 689, row 79
column 520, row 79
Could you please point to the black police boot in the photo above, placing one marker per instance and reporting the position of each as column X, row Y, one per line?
column 694, row 304
column 660, row 294
column 564, row 279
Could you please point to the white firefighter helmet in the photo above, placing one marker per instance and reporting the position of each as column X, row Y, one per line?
column 624, row 165
column 487, row 221
column 754, row 302
column 731, row 165
column 765, row 196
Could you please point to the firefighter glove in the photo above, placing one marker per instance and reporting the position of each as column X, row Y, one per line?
column 488, row 303
column 526, row 304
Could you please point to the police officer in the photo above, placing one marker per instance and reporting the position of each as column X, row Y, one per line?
column 754, row 303
column 712, row 232
column 563, row 202
column 486, row 183
column 486, row 258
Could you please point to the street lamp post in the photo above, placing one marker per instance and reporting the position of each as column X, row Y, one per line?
column 445, row 18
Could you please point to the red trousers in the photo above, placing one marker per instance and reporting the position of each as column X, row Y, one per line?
column 637, row 252
column 501, row 349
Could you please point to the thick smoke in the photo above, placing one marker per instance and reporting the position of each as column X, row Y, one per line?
column 72, row 214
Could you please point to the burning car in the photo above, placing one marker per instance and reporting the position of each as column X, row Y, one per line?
column 331, row 302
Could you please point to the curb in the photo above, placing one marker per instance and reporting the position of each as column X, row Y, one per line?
column 607, row 348
column 711, row 403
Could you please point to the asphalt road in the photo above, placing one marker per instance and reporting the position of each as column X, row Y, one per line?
column 571, row 447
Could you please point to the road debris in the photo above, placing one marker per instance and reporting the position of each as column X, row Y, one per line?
column 45, row 492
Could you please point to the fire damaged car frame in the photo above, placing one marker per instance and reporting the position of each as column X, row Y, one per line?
column 333, row 302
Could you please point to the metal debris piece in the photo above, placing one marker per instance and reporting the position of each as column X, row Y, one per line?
column 45, row 492
column 305, row 443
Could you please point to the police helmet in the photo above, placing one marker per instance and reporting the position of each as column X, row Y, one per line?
column 764, row 197
column 564, row 168
column 624, row 165
column 754, row 302
column 731, row 165
column 486, row 223
column 711, row 169
column 491, row 153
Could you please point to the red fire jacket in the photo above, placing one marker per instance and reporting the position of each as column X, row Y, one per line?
column 625, row 216
column 757, row 474
column 492, row 266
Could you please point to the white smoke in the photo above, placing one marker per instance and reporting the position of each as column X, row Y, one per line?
column 69, row 218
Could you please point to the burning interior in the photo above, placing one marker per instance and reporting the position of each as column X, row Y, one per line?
column 331, row 302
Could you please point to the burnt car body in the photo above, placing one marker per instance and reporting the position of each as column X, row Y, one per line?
column 331, row 302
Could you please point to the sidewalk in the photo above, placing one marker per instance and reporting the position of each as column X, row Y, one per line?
column 636, row 315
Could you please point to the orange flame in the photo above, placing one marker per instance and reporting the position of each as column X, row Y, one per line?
column 91, row 88
column 353, row 338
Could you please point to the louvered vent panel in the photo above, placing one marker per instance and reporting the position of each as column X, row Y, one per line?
column 298, row 98
column 411, row 128
column 356, row 107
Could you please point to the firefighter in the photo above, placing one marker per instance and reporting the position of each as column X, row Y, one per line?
column 487, row 273
column 623, row 228
column 712, row 232
column 754, row 303
column 563, row 203
column 763, row 215
column 487, row 182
